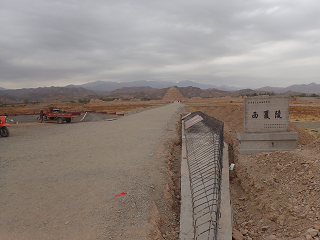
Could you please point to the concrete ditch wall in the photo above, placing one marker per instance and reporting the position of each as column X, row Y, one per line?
column 189, row 211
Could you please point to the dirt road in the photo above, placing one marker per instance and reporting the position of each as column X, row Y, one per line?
column 59, row 181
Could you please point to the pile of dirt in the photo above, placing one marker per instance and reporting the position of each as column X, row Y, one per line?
column 304, row 137
column 279, row 193
column 274, row 195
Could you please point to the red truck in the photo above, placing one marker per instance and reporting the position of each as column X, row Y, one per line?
column 57, row 114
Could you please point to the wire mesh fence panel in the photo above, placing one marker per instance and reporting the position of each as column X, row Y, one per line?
column 204, row 140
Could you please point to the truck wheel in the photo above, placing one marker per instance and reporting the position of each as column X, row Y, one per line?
column 4, row 132
column 40, row 119
column 68, row 120
column 59, row 120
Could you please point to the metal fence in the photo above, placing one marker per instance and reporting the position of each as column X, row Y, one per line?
column 204, row 141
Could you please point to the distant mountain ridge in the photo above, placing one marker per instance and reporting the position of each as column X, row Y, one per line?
column 187, row 92
column 59, row 94
column 100, row 87
column 103, row 86
column 74, row 93
column 45, row 94
column 301, row 88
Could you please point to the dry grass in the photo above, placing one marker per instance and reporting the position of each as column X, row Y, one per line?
column 304, row 113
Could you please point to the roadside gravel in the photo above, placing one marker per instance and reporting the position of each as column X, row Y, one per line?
column 59, row 181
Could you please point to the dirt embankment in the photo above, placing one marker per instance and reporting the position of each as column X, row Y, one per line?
column 274, row 195
column 168, row 225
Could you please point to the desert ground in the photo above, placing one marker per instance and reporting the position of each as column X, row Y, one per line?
column 61, row 181
column 274, row 195
column 94, row 105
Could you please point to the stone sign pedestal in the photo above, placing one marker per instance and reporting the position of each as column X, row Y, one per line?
column 267, row 142
column 266, row 124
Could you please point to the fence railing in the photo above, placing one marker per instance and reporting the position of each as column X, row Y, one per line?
column 204, row 141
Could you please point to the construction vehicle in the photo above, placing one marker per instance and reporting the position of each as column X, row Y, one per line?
column 4, row 131
column 57, row 114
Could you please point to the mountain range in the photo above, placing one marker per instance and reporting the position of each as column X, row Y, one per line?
column 102, row 86
column 57, row 94
column 302, row 88
column 139, row 89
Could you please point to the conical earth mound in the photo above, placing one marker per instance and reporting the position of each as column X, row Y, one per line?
column 173, row 94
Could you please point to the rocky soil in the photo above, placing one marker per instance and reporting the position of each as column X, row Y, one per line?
column 274, row 195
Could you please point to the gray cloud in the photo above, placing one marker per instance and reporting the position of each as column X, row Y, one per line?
column 242, row 43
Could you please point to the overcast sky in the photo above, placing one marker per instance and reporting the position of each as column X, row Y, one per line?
column 247, row 43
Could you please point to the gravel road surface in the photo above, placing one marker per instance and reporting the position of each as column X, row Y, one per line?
column 59, row 181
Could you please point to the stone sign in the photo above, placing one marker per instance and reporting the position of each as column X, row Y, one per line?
column 266, row 114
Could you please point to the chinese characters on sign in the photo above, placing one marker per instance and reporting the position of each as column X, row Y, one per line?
column 277, row 114
column 266, row 114
column 255, row 115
